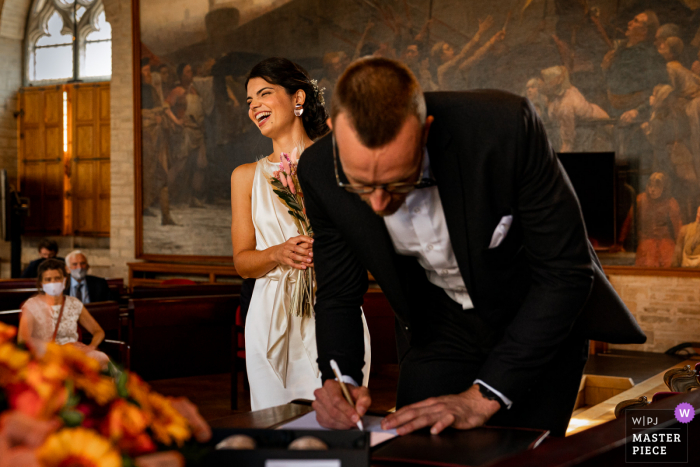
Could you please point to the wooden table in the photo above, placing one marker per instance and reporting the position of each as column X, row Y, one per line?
column 600, row 445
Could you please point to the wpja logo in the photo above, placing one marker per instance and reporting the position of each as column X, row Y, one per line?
column 658, row 436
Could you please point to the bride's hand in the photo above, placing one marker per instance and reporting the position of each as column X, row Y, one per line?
column 295, row 252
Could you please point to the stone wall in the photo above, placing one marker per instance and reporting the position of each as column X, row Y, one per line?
column 12, row 21
column 118, row 13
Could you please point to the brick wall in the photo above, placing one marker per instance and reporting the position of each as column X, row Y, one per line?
column 667, row 309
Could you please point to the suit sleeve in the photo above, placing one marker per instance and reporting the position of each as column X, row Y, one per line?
column 341, row 284
column 556, row 247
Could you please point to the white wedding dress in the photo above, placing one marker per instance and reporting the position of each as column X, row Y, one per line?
column 280, row 348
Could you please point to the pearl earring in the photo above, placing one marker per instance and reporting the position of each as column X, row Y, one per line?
column 298, row 110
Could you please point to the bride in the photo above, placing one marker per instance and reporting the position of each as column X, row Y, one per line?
column 287, row 107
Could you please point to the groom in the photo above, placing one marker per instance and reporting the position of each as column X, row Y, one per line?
column 458, row 207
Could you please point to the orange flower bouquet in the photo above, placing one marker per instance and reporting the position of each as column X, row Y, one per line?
column 58, row 409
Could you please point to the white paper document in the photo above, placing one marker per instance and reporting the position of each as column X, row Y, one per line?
column 372, row 423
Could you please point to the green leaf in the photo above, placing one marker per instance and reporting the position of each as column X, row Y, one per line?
column 71, row 418
column 121, row 385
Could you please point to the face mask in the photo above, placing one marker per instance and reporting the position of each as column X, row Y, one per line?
column 78, row 274
column 53, row 288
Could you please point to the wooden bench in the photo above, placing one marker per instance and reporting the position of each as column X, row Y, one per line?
column 116, row 285
column 141, row 292
column 184, row 336
column 12, row 299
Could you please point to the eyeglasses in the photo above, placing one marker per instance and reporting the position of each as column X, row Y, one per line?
column 396, row 188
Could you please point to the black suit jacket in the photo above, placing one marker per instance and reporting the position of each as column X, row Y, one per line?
column 97, row 287
column 490, row 156
column 32, row 269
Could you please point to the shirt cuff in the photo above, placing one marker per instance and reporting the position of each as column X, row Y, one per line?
column 508, row 403
column 349, row 380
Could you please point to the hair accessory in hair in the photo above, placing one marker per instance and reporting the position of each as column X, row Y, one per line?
column 318, row 93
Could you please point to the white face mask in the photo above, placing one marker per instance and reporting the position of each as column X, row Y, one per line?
column 53, row 288
column 78, row 274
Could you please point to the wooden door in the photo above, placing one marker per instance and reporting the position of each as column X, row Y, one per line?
column 90, row 166
column 41, row 158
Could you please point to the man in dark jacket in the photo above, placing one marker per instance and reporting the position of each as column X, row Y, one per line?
column 47, row 249
column 459, row 208
column 85, row 288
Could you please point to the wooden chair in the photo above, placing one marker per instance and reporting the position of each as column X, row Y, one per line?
column 185, row 336
column 107, row 315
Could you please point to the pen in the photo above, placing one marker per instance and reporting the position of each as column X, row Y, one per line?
column 344, row 388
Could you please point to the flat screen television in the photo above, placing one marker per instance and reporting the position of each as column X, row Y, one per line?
column 592, row 175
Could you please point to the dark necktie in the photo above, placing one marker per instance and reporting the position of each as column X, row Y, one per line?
column 79, row 292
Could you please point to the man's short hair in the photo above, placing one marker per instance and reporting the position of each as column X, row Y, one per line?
column 377, row 95
column 69, row 256
column 652, row 24
column 668, row 30
column 50, row 245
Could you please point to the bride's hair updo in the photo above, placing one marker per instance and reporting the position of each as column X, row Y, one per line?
column 292, row 77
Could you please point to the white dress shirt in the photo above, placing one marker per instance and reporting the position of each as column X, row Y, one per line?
column 419, row 229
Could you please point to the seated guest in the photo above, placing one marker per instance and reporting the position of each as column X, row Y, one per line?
column 47, row 249
column 50, row 316
column 85, row 288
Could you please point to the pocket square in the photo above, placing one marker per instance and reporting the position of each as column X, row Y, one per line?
column 501, row 231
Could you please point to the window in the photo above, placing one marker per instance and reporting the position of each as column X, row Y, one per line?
column 68, row 40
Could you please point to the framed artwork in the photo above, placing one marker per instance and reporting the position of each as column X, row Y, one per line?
column 616, row 83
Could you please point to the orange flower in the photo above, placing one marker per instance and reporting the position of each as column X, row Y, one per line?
column 126, row 425
column 7, row 332
column 12, row 360
column 138, row 390
column 36, row 394
column 168, row 425
column 85, row 372
column 78, row 447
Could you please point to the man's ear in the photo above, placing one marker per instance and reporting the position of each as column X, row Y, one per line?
column 329, row 122
column 426, row 127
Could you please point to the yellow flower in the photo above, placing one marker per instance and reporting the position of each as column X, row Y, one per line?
column 78, row 447
column 168, row 425
column 12, row 360
column 7, row 332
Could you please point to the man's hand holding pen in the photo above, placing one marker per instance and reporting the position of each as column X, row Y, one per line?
column 334, row 412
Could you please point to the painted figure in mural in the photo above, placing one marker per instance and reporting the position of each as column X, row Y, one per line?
column 451, row 68
column 687, row 253
column 669, row 134
column 567, row 107
column 658, row 223
column 154, row 149
column 280, row 345
column 535, row 92
column 188, row 150
column 687, row 86
column 634, row 67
